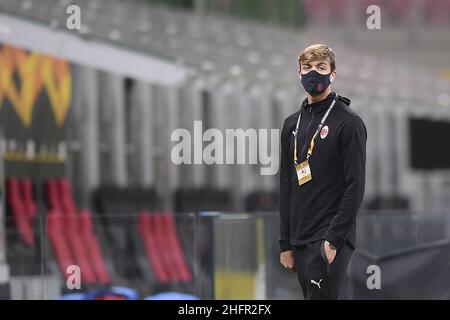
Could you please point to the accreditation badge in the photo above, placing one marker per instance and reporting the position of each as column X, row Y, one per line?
column 303, row 172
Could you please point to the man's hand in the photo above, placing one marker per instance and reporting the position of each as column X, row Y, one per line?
column 330, row 252
column 287, row 260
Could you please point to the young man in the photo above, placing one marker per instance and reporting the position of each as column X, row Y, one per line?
column 322, row 180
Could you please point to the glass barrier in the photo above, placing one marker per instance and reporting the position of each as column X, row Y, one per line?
column 399, row 255
column 22, row 260
column 388, row 232
column 236, row 252
column 122, row 256
column 212, row 255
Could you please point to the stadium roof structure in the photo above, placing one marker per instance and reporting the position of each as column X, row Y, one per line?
column 224, row 48
column 229, row 47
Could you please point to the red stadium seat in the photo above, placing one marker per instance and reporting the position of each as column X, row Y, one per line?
column 318, row 11
column 52, row 195
column 20, row 211
column 340, row 9
column 402, row 9
column 152, row 247
column 438, row 11
column 166, row 250
column 93, row 248
column 176, row 249
column 76, row 232
column 163, row 247
column 27, row 192
column 61, row 248
column 66, row 198
column 78, row 247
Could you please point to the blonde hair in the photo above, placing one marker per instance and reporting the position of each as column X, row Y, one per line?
column 318, row 52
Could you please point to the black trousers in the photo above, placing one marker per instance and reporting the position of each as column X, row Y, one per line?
column 320, row 280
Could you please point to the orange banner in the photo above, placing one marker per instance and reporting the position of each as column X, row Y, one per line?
column 36, row 73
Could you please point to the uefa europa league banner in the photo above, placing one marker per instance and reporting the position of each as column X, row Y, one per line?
column 35, row 98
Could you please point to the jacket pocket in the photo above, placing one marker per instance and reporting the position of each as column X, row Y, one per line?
column 324, row 256
column 322, row 251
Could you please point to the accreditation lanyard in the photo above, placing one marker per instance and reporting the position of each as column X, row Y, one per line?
column 311, row 144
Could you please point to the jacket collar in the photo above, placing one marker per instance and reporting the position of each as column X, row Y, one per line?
column 317, row 107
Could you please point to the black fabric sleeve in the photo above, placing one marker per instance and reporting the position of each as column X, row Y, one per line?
column 353, row 151
column 285, row 189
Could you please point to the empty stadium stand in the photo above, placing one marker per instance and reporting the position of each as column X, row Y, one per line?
column 128, row 216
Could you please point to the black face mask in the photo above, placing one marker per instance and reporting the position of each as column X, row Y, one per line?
column 315, row 83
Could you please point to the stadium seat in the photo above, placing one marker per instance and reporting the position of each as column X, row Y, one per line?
column 66, row 198
column 75, row 232
column 168, row 225
column 30, row 203
column 93, row 248
column 23, row 209
column 437, row 11
column 152, row 247
column 163, row 247
column 166, row 252
column 52, row 195
column 60, row 245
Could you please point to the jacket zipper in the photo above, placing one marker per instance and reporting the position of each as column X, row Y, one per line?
column 307, row 130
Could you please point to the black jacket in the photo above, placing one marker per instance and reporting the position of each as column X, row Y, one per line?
column 326, row 206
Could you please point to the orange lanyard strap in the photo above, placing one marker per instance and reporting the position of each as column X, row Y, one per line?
column 311, row 144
